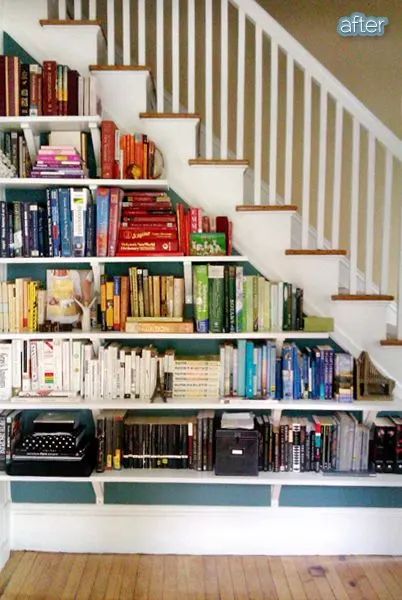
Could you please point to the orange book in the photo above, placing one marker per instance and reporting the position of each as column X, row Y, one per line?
column 103, row 301
column 109, row 305
column 124, row 298
column 116, row 303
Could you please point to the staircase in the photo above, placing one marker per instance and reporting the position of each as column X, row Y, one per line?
column 305, row 203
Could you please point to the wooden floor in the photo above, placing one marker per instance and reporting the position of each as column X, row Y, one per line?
column 40, row 576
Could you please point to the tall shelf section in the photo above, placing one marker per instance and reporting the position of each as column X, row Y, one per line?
column 32, row 127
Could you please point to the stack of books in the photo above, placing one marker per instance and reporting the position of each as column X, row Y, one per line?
column 126, row 156
column 196, row 377
column 60, row 162
column 14, row 146
column 226, row 300
column 22, row 306
column 49, row 90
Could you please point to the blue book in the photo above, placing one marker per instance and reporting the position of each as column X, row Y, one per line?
column 65, row 221
column 90, row 234
column 278, row 378
column 3, row 229
column 25, row 229
column 271, row 347
column 287, row 372
column 49, row 235
column 54, row 209
column 33, row 229
column 42, row 231
column 258, row 369
column 249, row 370
column 10, row 231
column 241, row 368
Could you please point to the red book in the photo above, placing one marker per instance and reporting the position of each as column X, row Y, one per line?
column 152, row 227
column 149, row 218
column 127, row 234
column 72, row 92
column 193, row 220
column 187, row 233
column 222, row 226
column 49, row 88
column 13, row 78
column 139, row 153
column 179, row 219
column 3, row 91
column 152, row 246
column 108, row 149
column 116, row 196
column 130, row 253
column 206, row 225
column 146, row 195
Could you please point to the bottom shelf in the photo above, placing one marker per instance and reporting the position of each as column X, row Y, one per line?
column 207, row 478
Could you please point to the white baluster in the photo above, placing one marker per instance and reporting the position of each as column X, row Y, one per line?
column 258, row 115
column 175, row 57
column 141, row 32
column 370, row 214
column 126, row 32
column 62, row 10
column 241, row 41
column 190, row 56
column 399, row 307
column 289, row 129
column 386, row 224
column 208, row 80
column 160, row 68
column 92, row 10
column 336, row 198
column 306, row 160
column 224, row 79
column 354, row 206
column 273, row 128
column 322, row 167
column 110, row 32
column 77, row 10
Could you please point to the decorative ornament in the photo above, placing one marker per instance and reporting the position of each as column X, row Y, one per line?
column 86, row 313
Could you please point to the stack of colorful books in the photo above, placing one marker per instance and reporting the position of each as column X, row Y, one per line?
column 63, row 162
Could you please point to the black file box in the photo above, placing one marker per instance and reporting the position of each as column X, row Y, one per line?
column 236, row 452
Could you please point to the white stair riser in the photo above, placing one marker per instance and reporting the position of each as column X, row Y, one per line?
column 76, row 46
column 184, row 131
column 123, row 94
column 366, row 321
column 317, row 275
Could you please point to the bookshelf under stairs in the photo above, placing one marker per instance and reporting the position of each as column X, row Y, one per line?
column 267, row 236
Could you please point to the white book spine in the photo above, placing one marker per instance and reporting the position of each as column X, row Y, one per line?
column 17, row 347
column 76, row 367
column 58, row 365
column 33, row 348
column 26, row 367
column 5, row 371
column 47, row 368
column 4, row 293
column 127, row 375
column 66, row 353
column 138, row 375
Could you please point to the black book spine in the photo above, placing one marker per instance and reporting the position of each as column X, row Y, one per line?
column 26, row 250
column 100, row 438
column 10, row 231
column 90, row 231
column 3, row 440
column 277, row 459
column 24, row 90
column 199, row 444
column 33, row 229
column 303, row 453
column 265, row 460
column 49, row 235
column 226, row 308
column 42, row 231
column 3, row 229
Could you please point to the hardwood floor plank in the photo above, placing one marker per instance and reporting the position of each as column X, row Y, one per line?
column 115, row 579
column 375, row 580
column 252, row 578
column 317, row 572
column 309, row 587
column 265, row 577
column 226, row 590
column 8, row 571
column 194, row 566
column 169, row 577
column 143, row 577
column 78, row 565
column 155, row 590
column 238, row 579
column 211, row 589
column 182, row 587
column 130, row 569
column 293, row 578
column 279, row 578
column 87, row 580
column 333, row 578
column 356, row 584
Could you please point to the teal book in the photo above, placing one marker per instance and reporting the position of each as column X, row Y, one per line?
column 216, row 297
column 200, row 298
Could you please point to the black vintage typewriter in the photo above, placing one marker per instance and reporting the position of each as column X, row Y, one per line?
column 55, row 443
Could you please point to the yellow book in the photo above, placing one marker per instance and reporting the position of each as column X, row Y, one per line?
column 109, row 305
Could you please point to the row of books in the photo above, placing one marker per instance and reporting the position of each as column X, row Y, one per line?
column 49, row 89
column 256, row 370
column 14, row 147
column 226, row 300
column 126, row 440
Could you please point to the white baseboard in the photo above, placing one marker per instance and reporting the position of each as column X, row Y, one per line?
column 4, row 554
column 205, row 530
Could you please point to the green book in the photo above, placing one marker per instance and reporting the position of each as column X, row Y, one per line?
column 287, row 306
column 226, row 324
column 200, row 298
column 239, row 299
column 255, row 303
column 232, row 299
column 248, row 303
column 216, row 297
column 207, row 244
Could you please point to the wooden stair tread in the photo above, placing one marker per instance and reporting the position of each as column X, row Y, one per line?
column 266, row 208
column 364, row 297
column 218, row 162
column 148, row 115
column 95, row 22
column 119, row 68
column 308, row 252
column 391, row 342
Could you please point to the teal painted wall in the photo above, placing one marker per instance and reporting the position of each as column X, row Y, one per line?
column 219, row 494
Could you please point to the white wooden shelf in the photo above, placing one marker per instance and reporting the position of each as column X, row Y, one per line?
column 59, row 402
column 122, row 335
column 102, row 260
column 47, row 123
column 36, row 183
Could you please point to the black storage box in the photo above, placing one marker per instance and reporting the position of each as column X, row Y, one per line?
column 236, row 452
